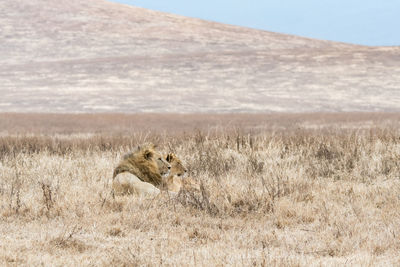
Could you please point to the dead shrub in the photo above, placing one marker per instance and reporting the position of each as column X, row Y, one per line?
column 197, row 200
column 67, row 241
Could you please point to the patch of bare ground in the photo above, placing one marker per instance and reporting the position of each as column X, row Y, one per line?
column 290, row 195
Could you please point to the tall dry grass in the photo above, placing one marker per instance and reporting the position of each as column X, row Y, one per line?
column 312, row 196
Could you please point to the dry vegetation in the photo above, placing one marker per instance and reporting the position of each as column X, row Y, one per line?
column 293, row 190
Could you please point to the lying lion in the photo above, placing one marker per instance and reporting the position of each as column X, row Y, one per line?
column 143, row 171
column 140, row 172
column 177, row 179
column 127, row 183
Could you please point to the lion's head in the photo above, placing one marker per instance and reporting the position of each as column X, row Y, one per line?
column 177, row 179
column 177, row 167
column 163, row 166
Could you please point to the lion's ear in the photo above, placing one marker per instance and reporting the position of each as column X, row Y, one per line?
column 169, row 157
column 148, row 154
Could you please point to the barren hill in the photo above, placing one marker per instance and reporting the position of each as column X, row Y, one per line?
column 96, row 56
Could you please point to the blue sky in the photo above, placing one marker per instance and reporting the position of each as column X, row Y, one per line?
column 368, row 22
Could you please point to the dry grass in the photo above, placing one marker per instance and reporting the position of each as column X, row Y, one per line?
column 144, row 124
column 291, row 195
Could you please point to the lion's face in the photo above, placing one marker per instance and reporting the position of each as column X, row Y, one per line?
column 163, row 166
column 177, row 178
column 177, row 167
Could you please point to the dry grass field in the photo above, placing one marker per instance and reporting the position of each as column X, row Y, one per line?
column 277, row 190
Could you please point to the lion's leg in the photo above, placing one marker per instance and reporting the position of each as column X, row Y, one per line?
column 173, row 184
column 126, row 183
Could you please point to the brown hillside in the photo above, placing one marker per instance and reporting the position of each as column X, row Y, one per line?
column 97, row 56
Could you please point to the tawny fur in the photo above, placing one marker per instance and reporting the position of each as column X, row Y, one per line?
column 127, row 184
column 146, row 164
column 177, row 179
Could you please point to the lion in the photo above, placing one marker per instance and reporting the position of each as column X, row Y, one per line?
column 177, row 179
column 127, row 183
column 140, row 172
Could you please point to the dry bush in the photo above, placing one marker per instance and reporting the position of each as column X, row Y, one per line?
column 318, row 196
